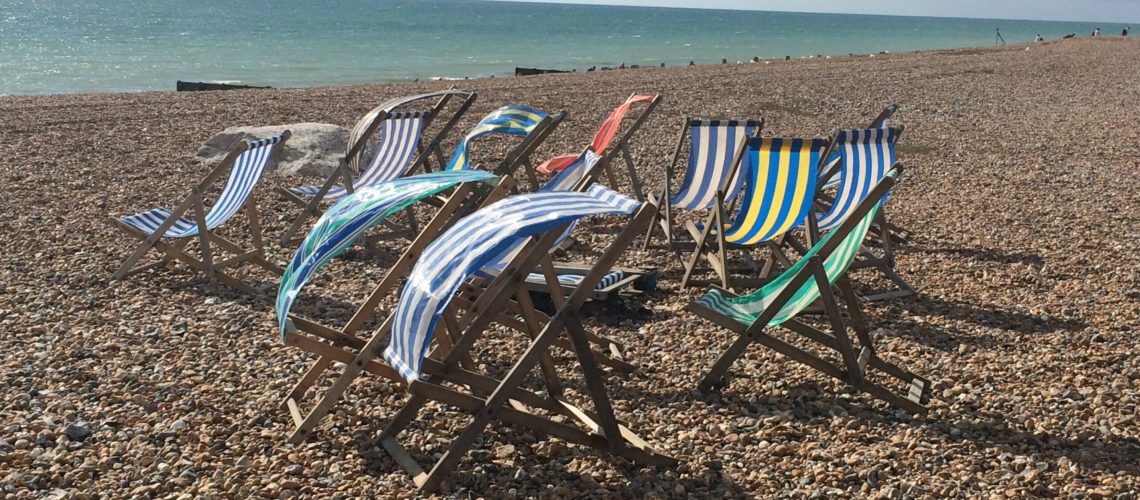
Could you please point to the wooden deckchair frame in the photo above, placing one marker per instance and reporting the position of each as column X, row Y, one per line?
column 207, row 239
column 664, row 220
column 338, row 343
column 718, row 257
column 505, row 400
column 344, row 175
column 520, row 155
column 855, row 361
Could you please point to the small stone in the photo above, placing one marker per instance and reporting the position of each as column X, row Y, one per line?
column 78, row 431
column 294, row 470
column 505, row 451
column 179, row 425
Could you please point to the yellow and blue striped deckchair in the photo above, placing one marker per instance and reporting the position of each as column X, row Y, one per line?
column 424, row 312
column 344, row 223
column 714, row 147
column 522, row 121
column 246, row 163
column 779, row 176
column 808, row 280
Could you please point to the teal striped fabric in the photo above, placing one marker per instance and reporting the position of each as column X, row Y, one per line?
column 350, row 218
column 746, row 309
column 510, row 120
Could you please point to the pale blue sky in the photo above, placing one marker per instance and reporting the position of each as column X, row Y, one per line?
column 1117, row 11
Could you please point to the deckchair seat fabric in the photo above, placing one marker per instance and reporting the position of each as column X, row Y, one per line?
column 780, row 174
column 866, row 156
column 833, row 161
column 246, row 171
column 353, row 216
column 713, row 143
column 746, row 309
column 606, row 133
column 399, row 139
column 470, row 245
column 509, row 120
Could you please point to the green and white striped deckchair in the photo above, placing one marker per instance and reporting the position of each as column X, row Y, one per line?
column 810, row 279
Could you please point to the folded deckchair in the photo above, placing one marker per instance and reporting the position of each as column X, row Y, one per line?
column 396, row 136
column 779, row 178
column 603, row 138
column 337, row 229
column 245, row 163
column 423, row 312
column 534, row 125
column 777, row 304
column 714, row 147
column 865, row 157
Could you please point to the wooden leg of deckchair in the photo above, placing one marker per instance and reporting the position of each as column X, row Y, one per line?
column 254, row 217
column 716, row 373
column 843, row 341
column 203, row 237
column 696, row 256
column 334, row 393
column 634, row 180
column 311, row 209
column 534, row 326
column 595, row 384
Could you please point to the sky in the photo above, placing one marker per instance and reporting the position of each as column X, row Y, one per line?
column 1117, row 11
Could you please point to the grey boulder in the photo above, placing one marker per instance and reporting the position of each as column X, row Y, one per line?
column 314, row 149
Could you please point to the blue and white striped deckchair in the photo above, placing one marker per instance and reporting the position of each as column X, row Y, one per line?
column 398, row 141
column 780, row 175
column 865, row 157
column 450, row 379
column 808, row 280
column 713, row 147
column 344, row 222
column 826, row 172
column 395, row 139
column 510, row 120
column 469, row 246
column 246, row 164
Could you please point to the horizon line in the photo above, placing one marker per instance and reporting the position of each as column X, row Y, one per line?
column 618, row 3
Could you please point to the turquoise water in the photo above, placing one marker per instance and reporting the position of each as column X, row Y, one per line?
column 59, row 46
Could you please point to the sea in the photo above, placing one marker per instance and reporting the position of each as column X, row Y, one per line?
column 70, row 46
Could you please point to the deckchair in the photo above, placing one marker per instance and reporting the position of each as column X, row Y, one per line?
column 713, row 149
column 605, row 135
column 424, row 306
column 810, row 279
column 534, row 125
column 866, row 156
column 779, row 179
column 337, row 229
column 827, row 177
column 577, row 176
column 396, row 136
column 245, row 163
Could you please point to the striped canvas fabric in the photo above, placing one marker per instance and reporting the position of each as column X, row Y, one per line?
column 780, row 184
column 564, row 181
column 832, row 162
column 510, row 120
column 467, row 247
column 866, row 156
column 747, row 309
column 246, row 171
column 714, row 145
column 610, row 127
column 565, row 279
column 350, row 218
column 399, row 139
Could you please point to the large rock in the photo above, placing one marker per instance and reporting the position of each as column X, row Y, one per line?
column 314, row 149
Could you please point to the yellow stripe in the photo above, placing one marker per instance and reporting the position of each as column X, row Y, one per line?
column 778, row 196
column 801, row 182
column 757, row 186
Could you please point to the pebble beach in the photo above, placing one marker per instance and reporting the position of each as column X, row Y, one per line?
column 1020, row 192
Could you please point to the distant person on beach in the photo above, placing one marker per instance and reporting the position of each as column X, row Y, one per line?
column 1039, row 39
column 1096, row 32
column 1125, row 31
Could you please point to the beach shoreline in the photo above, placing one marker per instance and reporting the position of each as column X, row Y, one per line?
column 1019, row 188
